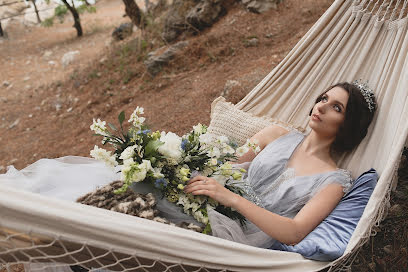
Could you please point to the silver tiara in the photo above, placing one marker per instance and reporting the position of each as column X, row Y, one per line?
column 367, row 93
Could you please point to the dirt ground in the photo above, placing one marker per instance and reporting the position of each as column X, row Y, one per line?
column 46, row 109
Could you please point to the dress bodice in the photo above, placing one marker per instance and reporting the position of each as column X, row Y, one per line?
column 275, row 187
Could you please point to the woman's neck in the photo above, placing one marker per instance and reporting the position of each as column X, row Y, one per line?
column 316, row 145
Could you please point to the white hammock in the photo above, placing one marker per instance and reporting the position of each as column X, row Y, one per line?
column 352, row 40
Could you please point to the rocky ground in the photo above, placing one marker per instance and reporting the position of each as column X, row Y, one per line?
column 47, row 108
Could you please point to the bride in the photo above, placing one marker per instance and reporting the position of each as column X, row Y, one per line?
column 290, row 186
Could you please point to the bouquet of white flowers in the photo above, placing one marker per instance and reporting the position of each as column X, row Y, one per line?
column 168, row 161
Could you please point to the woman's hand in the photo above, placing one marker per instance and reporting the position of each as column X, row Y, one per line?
column 201, row 185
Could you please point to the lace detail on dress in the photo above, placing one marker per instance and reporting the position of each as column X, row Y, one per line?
column 349, row 180
column 251, row 195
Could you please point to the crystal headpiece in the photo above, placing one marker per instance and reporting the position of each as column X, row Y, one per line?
column 367, row 93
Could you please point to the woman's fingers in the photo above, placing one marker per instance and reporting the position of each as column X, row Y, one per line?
column 197, row 178
column 201, row 185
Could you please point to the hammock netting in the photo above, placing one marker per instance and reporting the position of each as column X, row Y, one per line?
column 353, row 40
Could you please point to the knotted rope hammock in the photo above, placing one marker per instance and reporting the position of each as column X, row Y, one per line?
column 352, row 40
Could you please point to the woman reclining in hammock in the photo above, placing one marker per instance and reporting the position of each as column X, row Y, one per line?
column 294, row 183
column 291, row 185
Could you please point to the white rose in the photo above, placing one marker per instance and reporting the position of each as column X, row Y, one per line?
column 206, row 139
column 171, row 148
column 227, row 149
column 223, row 139
column 157, row 173
column 128, row 153
column 141, row 171
column 214, row 152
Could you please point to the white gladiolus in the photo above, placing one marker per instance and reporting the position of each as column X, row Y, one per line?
column 103, row 155
column 99, row 127
column 171, row 148
column 198, row 215
column 135, row 119
column 183, row 200
column 194, row 206
column 198, row 129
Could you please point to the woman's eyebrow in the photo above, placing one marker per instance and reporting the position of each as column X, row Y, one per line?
column 336, row 101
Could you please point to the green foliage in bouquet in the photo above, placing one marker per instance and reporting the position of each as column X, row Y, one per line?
column 168, row 161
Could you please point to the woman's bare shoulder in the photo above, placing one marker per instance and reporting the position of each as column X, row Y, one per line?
column 269, row 134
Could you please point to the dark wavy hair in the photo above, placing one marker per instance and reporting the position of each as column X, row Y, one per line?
column 357, row 118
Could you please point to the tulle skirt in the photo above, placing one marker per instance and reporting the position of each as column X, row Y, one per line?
column 71, row 177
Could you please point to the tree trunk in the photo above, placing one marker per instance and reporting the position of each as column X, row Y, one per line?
column 1, row 31
column 36, row 11
column 133, row 11
column 77, row 21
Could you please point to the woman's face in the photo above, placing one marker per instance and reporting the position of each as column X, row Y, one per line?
column 329, row 114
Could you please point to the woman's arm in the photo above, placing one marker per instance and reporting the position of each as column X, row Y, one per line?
column 263, row 138
column 283, row 229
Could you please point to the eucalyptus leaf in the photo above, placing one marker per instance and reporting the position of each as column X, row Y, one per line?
column 152, row 147
column 112, row 126
column 121, row 117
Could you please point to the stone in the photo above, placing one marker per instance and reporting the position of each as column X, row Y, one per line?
column 69, row 57
column 252, row 42
column 123, row 31
column 47, row 54
column 13, row 161
column 15, row 123
column 6, row 83
column 52, row 63
column 229, row 85
column 388, row 249
column 174, row 22
column 27, row 78
column 204, row 14
column 260, row 6
column 161, row 57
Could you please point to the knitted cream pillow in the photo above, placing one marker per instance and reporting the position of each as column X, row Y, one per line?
column 237, row 125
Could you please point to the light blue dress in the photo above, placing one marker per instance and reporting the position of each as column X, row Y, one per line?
column 268, row 183
column 272, row 185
